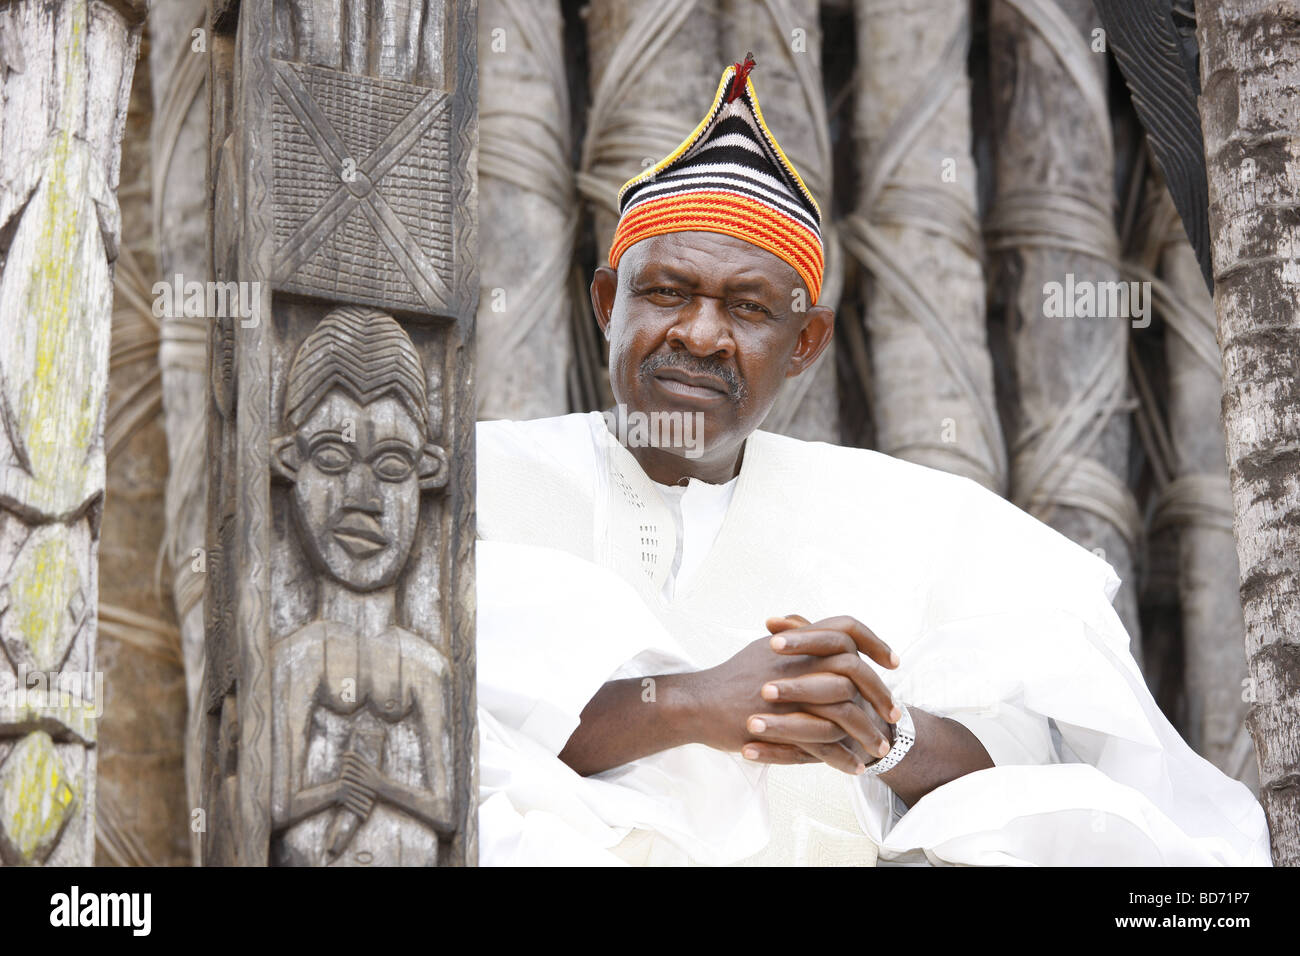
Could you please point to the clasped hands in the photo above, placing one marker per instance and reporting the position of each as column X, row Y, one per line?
column 361, row 783
column 804, row 695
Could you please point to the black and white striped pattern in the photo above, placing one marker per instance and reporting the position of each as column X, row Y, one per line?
column 734, row 155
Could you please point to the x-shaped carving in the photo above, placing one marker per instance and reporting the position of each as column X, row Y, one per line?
column 360, row 191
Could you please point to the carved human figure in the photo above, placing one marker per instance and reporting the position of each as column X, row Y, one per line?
column 360, row 761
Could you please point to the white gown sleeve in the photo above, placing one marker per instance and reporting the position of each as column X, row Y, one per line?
column 1009, row 734
column 1120, row 788
column 1015, row 637
column 551, row 630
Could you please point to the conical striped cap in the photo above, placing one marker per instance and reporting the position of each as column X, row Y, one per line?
column 729, row 176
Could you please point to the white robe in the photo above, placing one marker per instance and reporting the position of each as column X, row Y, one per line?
column 1001, row 623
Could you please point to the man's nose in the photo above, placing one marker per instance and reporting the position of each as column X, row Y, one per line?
column 703, row 328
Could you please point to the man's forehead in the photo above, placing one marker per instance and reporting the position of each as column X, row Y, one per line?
column 699, row 256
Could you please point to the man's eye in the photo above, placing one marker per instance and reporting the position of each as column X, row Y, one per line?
column 331, row 457
column 751, row 307
column 665, row 293
column 392, row 466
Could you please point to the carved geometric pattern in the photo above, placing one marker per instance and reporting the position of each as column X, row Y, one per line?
column 362, row 198
column 37, row 800
column 44, row 605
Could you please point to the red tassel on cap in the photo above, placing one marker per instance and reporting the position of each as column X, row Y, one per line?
column 742, row 73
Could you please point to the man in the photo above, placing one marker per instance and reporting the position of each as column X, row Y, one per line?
column 743, row 648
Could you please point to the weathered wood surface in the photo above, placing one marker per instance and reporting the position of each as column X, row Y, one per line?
column 1250, row 72
column 339, row 715
column 1053, row 222
column 67, row 71
column 916, row 234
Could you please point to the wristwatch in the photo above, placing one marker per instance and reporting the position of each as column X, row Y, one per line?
column 904, row 737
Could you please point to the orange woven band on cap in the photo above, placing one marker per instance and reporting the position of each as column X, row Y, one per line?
column 730, row 214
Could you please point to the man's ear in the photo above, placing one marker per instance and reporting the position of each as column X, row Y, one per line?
column 819, row 326
column 284, row 457
column 433, row 467
column 604, row 286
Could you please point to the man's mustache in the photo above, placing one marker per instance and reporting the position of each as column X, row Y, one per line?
column 697, row 366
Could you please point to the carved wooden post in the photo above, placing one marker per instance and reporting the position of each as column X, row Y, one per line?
column 339, row 679
column 66, row 70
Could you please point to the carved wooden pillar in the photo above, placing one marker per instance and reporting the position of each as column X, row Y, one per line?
column 65, row 70
column 338, row 717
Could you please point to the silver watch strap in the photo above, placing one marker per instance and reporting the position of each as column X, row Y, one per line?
column 904, row 737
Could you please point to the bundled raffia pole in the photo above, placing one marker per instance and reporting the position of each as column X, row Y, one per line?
column 527, row 211
column 1194, row 496
column 785, row 38
column 916, row 234
column 179, row 144
column 654, row 67
column 141, row 812
column 1053, row 222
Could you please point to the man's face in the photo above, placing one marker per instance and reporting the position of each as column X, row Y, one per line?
column 704, row 322
column 357, row 502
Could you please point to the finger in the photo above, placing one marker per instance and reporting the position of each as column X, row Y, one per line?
column 868, row 682
column 796, row 728
column 818, row 688
column 867, row 641
column 813, row 640
column 837, row 756
column 765, row 751
column 359, row 806
column 786, row 622
column 858, row 751
column 855, row 722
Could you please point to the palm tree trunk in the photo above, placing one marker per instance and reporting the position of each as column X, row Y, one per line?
column 1250, row 69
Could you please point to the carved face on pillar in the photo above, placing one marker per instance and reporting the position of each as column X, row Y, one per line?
column 357, row 454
